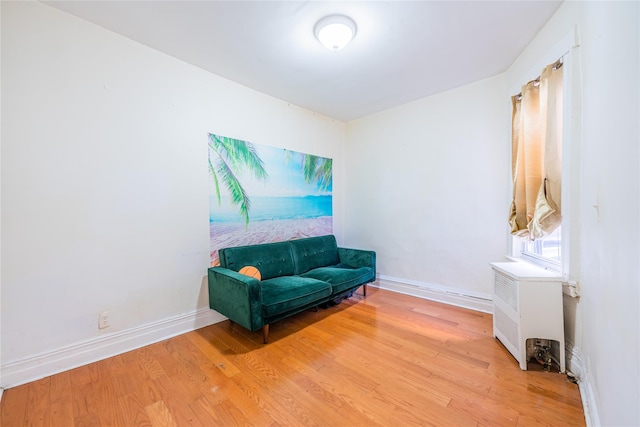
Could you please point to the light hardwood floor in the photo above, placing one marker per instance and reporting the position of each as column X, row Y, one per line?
column 384, row 360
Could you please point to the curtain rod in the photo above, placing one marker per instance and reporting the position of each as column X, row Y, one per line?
column 556, row 65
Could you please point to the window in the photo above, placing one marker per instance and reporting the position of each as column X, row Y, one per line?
column 559, row 249
column 537, row 148
column 545, row 251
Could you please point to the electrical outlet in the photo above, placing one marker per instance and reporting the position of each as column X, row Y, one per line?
column 104, row 320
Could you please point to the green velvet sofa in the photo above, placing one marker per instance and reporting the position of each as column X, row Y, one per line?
column 295, row 275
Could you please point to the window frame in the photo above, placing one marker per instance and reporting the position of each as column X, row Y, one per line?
column 535, row 258
column 567, row 48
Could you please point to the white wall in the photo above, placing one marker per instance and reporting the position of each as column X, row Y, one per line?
column 427, row 187
column 427, row 184
column 603, row 326
column 104, row 183
column 610, row 34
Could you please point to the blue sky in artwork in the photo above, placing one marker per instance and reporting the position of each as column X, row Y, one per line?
column 286, row 178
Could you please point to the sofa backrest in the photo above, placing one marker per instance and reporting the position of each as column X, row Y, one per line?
column 271, row 259
column 314, row 252
column 283, row 258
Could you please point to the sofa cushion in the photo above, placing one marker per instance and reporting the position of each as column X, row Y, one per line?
column 271, row 259
column 341, row 277
column 314, row 252
column 287, row 293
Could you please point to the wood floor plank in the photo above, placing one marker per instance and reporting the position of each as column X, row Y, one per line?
column 316, row 385
column 178, row 393
column 132, row 410
column 159, row 415
column 39, row 403
column 230, row 415
column 126, row 373
column 14, row 406
column 206, row 412
column 271, row 405
column 240, row 387
column 223, row 352
column 333, row 396
column 485, row 412
column 384, row 360
column 150, row 363
column 61, row 411
column 85, row 403
column 106, row 394
column 286, row 400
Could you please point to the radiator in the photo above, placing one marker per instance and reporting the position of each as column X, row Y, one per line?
column 527, row 304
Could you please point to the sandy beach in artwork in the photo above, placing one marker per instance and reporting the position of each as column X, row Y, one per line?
column 225, row 234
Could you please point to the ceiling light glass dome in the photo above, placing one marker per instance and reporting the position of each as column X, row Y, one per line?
column 335, row 31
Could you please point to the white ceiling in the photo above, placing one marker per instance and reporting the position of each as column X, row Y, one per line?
column 403, row 50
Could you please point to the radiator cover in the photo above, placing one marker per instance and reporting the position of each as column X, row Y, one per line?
column 527, row 304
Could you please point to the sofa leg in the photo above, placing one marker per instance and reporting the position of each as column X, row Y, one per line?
column 364, row 290
column 265, row 333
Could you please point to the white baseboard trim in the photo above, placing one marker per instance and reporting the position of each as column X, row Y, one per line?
column 575, row 365
column 444, row 294
column 39, row 366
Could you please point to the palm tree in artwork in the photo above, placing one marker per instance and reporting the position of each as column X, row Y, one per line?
column 230, row 157
column 317, row 169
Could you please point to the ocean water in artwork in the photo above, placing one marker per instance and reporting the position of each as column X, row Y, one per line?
column 272, row 208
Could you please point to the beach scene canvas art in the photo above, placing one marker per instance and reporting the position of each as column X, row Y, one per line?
column 262, row 194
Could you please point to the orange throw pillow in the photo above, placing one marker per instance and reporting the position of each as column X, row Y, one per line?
column 251, row 271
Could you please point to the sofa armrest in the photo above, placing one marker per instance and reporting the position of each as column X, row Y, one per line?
column 236, row 296
column 358, row 258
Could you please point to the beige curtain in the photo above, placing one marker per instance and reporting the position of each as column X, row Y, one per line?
column 536, row 155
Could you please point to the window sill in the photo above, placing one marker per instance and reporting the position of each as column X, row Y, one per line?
column 570, row 288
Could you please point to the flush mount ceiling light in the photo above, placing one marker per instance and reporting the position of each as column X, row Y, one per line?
column 335, row 31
